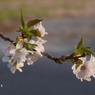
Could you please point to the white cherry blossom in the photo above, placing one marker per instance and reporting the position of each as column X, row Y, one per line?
column 13, row 65
column 6, row 51
column 33, row 55
column 86, row 69
column 19, row 53
column 39, row 43
column 92, row 59
column 40, row 47
column 31, row 58
column 40, row 28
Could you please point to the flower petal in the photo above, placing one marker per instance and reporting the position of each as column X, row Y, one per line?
column 19, row 45
column 12, row 51
column 5, row 59
column 13, row 69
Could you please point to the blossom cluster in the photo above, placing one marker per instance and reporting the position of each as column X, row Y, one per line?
column 86, row 70
column 24, row 51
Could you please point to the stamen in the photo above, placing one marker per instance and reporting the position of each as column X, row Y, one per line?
column 83, row 67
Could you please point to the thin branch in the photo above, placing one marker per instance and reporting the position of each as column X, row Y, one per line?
column 51, row 57
column 6, row 38
column 62, row 58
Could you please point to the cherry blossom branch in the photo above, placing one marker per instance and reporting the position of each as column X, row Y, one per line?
column 62, row 58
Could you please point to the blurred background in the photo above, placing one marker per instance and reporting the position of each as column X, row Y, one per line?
column 66, row 21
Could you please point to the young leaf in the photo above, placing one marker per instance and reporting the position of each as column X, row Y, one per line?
column 33, row 22
column 22, row 20
column 80, row 44
column 59, row 62
column 87, row 51
column 27, row 46
column 35, row 32
column 76, row 52
column 69, row 60
column 28, row 36
column 78, row 63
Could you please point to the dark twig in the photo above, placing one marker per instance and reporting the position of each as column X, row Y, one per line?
column 51, row 57
column 62, row 58
column 6, row 38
